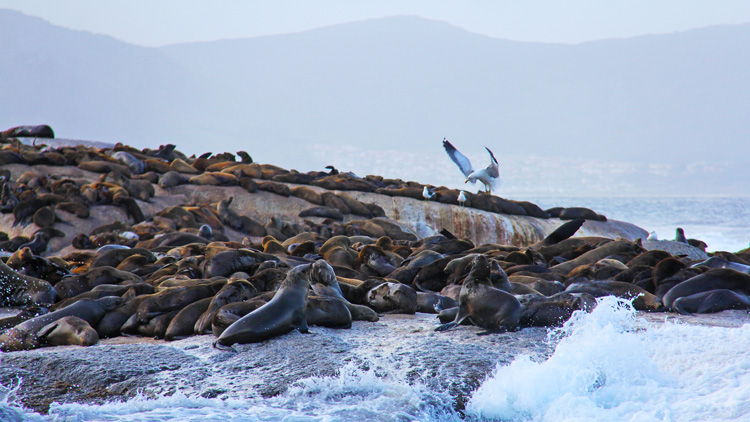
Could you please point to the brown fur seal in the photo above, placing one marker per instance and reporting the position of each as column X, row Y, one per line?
column 433, row 303
column 487, row 307
column 543, row 311
column 391, row 297
column 642, row 300
column 721, row 278
column 285, row 312
column 69, row 330
column 17, row 289
column 327, row 312
column 230, row 313
column 234, row 291
column 183, row 324
column 25, row 336
column 309, row 195
column 324, row 283
column 710, row 302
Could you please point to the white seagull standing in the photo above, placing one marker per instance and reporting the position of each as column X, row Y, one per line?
column 490, row 176
column 461, row 198
column 426, row 194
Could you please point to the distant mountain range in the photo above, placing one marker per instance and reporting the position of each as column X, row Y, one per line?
column 651, row 115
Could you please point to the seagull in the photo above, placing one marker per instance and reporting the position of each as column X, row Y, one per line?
column 652, row 236
column 489, row 176
column 461, row 198
column 426, row 194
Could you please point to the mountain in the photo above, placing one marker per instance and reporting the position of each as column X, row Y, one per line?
column 658, row 114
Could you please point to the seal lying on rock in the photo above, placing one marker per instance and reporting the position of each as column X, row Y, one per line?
column 283, row 313
column 17, row 289
column 26, row 335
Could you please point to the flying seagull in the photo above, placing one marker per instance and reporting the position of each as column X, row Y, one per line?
column 490, row 176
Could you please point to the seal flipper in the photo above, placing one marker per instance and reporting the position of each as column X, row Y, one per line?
column 47, row 329
column 563, row 232
column 677, row 306
column 223, row 347
column 460, row 317
column 447, row 326
column 302, row 324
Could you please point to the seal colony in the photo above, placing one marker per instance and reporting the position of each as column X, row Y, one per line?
column 170, row 271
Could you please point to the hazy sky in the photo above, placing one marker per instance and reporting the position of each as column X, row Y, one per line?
column 160, row 22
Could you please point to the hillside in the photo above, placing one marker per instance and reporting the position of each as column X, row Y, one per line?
column 647, row 115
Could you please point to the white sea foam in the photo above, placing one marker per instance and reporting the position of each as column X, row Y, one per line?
column 611, row 366
column 355, row 394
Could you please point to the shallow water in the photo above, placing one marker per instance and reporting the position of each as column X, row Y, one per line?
column 611, row 364
column 723, row 223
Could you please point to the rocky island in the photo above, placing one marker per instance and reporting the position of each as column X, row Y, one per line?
column 140, row 228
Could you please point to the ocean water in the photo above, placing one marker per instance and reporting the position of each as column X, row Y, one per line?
column 723, row 223
column 611, row 364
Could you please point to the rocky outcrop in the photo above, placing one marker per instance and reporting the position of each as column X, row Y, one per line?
column 421, row 217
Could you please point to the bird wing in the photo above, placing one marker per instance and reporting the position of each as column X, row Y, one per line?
column 461, row 161
column 493, row 169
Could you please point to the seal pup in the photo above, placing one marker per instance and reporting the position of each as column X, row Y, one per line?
column 490, row 175
column 487, row 307
column 283, row 313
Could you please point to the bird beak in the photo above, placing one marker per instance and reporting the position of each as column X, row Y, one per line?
column 467, row 181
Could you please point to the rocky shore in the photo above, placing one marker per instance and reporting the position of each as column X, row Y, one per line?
column 158, row 221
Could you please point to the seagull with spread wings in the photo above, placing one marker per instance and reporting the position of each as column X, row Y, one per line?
column 490, row 176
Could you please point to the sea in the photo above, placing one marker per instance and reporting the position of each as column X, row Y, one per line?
column 612, row 364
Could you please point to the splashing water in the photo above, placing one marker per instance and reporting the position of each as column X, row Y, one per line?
column 609, row 365
column 355, row 394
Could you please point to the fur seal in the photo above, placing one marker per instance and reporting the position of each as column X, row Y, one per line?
column 324, row 283
column 391, row 297
column 327, row 312
column 433, row 303
column 543, row 311
column 711, row 301
column 487, row 307
column 718, row 262
column 69, row 330
column 283, row 313
column 234, row 291
column 183, row 324
column 720, row 278
column 25, row 336
column 230, row 313
column 680, row 235
column 642, row 300
column 17, row 289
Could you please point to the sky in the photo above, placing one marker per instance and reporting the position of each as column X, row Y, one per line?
column 156, row 23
